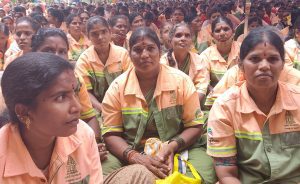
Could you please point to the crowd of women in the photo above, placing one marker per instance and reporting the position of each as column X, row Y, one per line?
column 109, row 93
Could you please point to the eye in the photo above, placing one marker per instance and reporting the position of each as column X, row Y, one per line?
column 178, row 35
column 61, row 97
column 254, row 59
column 138, row 50
column 273, row 59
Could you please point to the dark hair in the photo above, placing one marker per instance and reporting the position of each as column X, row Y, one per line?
column 191, row 16
column 99, row 11
column 132, row 16
column 35, row 26
column 170, row 58
column 36, row 72
column 7, row 17
column 261, row 35
column 113, row 21
column 19, row 9
column 221, row 19
column 255, row 19
column 213, row 10
column 43, row 34
column 85, row 13
column 40, row 19
column 4, row 29
column 149, row 16
column 58, row 14
column 142, row 32
column 96, row 20
column 180, row 9
column 70, row 18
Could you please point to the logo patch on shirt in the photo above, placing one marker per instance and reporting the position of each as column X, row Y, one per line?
column 290, row 123
column 173, row 98
column 73, row 175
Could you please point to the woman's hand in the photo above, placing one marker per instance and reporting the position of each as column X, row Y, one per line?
column 118, row 38
column 102, row 151
column 153, row 164
column 166, row 154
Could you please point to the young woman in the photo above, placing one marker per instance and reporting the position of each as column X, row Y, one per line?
column 53, row 40
column 84, row 17
column 292, row 47
column 119, row 28
column 4, row 43
column 253, row 23
column 178, row 15
column 256, row 123
column 77, row 40
column 221, row 56
column 135, row 21
column 143, row 103
column 25, row 29
column 45, row 141
column 102, row 62
column 182, row 58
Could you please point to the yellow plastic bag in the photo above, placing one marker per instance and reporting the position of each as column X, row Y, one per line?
column 177, row 178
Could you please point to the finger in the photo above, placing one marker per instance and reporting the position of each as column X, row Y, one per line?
column 157, row 172
column 162, row 166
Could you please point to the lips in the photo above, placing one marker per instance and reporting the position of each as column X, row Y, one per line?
column 264, row 75
column 73, row 122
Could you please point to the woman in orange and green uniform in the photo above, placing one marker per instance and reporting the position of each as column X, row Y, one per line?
column 77, row 40
column 102, row 62
column 144, row 103
column 182, row 58
column 221, row 56
column 119, row 26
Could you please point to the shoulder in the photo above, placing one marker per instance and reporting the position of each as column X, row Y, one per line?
column 118, row 50
column 290, row 44
column 231, row 95
column 173, row 74
column 84, row 131
column 5, row 131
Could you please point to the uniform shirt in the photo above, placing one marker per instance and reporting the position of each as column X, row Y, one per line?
column 234, row 75
column 75, row 159
column 196, row 71
column 177, row 105
column 216, row 64
column 266, row 146
column 204, row 37
column 292, row 50
column 98, row 76
column 77, row 48
column 87, row 110
column 12, row 58
column 13, row 48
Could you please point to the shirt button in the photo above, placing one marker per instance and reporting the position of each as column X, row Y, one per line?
column 269, row 149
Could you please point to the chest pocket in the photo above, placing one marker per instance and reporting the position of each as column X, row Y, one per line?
column 290, row 140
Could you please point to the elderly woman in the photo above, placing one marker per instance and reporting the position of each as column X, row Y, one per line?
column 253, row 128
column 142, row 104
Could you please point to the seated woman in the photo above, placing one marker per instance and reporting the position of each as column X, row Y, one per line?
column 45, row 141
column 142, row 103
column 292, row 47
column 181, row 57
column 78, row 42
column 119, row 28
column 54, row 40
column 102, row 62
column 254, row 127
column 25, row 28
column 221, row 56
column 4, row 43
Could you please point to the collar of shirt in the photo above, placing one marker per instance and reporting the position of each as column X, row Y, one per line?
column 132, row 86
column 284, row 101
column 232, row 56
column 113, row 57
column 18, row 165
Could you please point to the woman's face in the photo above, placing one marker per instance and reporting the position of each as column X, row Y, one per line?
column 3, row 39
column 9, row 23
column 74, row 27
column 145, row 56
column 120, row 28
column 57, row 109
column 55, row 45
column 262, row 66
column 137, row 22
column 23, row 35
column 297, row 35
column 84, row 17
column 165, row 34
column 214, row 16
column 177, row 16
column 222, row 32
column 182, row 39
column 253, row 25
column 100, row 36
column 196, row 24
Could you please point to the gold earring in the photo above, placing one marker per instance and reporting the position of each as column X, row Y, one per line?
column 27, row 122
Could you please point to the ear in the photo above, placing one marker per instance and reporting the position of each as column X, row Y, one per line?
column 21, row 111
column 241, row 65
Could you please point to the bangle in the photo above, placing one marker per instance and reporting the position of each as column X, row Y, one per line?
column 180, row 142
column 131, row 154
column 126, row 151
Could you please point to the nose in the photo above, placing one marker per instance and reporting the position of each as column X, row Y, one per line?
column 264, row 65
column 75, row 106
column 145, row 53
